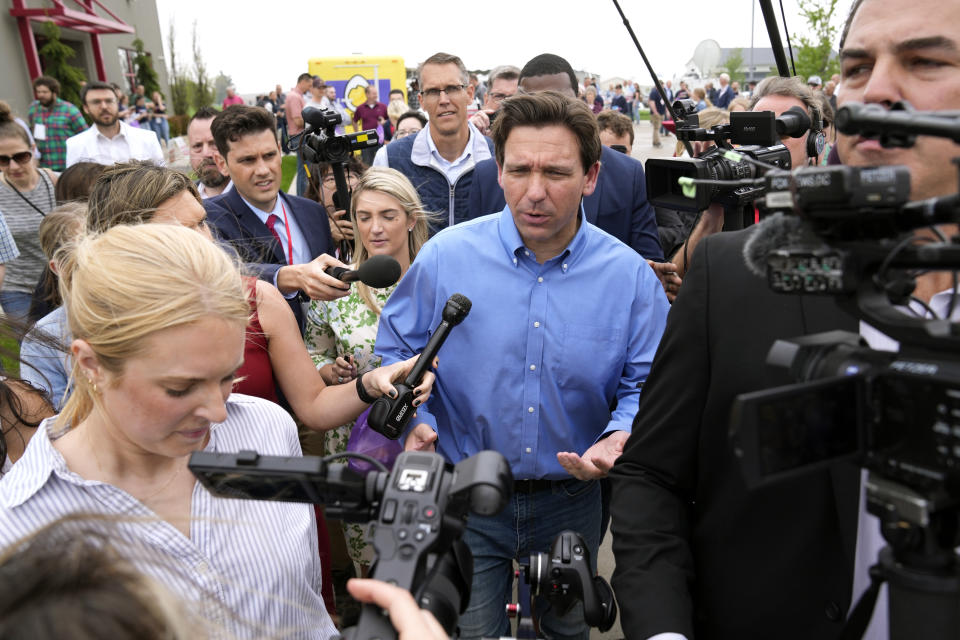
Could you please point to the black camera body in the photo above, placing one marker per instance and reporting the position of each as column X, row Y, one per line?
column 758, row 134
column 390, row 416
column 417, row 515
column 321, row 144
column 565, row 576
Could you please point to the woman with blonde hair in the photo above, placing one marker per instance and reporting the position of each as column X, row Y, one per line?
column 388, row 219
column 158, row 314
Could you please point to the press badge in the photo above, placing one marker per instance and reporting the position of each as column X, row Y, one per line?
column 40, row 131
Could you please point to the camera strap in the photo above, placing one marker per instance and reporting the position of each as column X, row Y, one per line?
column 856, row 624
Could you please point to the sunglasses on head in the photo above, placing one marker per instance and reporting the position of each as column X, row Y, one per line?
column 22, row 157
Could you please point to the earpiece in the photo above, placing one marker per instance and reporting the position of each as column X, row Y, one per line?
column 816, row 140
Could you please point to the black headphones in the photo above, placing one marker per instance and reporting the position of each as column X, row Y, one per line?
column 816, row 140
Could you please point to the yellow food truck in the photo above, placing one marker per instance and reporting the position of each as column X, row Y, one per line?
column 352, row 74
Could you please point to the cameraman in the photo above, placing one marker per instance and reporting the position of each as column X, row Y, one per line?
column 773, row 94
column 702, row 555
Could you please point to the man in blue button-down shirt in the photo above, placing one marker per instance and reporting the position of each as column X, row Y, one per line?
column 547, row 367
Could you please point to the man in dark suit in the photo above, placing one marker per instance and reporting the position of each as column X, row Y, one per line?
column 618, row 205
column 284, row 239
column 696, row 552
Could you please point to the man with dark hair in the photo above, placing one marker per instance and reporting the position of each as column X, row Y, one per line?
column 563, row 325
column 619, row 102
column 704, row 556
column 439, row 160
column 210, row 180
column 616, row 131
column 370, row 115
column 618, row 205
column 503, row 84
column 284, row 239
column 110, row 139
column 293, row 110
column 410, row 124
column 52, row 121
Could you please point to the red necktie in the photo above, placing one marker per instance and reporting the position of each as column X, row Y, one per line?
column 272, row 220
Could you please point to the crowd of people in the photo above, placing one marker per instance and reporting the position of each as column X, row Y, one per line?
column 158, row 314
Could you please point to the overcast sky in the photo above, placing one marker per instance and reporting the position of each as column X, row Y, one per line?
column 259, row 44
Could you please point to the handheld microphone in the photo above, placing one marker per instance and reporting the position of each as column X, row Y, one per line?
column 390, row 416
column 377, row 272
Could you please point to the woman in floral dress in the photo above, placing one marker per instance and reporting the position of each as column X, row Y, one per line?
column 388, row 219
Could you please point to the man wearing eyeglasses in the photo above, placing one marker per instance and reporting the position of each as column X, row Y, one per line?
column 110, row 139
column 503, row 84
column 440, row 159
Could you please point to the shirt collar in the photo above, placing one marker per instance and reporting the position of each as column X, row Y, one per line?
column 124, row 129
column 260, row 213
column 35, row 467
column 467, row 151
column 513, row 244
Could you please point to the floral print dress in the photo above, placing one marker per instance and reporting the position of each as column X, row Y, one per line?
column 337, row 328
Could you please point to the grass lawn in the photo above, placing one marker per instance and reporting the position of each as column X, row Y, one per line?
column 8, row 360
column 289, row 167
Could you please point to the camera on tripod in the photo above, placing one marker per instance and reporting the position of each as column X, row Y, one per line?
column 897, row 414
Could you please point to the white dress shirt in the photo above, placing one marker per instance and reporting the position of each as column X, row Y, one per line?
column 249, row 568
column 131, row 143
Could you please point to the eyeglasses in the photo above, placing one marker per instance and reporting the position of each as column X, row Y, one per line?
column 403, row 133
column 96, row 102
column 452, row 91
column 21, row 157
column 499, row 97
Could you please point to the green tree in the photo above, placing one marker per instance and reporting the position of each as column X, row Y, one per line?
column 179, row 95
column 815, row 53
column 203, row 91
column 56, row 56
column 146, row 74
column 734, row 66
column 220, row 84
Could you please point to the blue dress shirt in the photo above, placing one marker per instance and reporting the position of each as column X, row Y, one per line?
column 546, row 351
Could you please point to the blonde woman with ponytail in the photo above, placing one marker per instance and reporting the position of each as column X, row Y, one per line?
column 158, row 314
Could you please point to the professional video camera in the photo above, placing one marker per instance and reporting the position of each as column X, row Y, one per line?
column 692, row 184
column 417, row 514
column 895, row 413
column 320, row 143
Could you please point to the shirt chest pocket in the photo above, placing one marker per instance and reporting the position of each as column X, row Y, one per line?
column 587, row 355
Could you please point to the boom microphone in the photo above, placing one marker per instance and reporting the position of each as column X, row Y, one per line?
column 390, row 416
column 772, row 233
column 377, row 272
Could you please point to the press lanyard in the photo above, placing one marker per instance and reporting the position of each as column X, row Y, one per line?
column 286, row 227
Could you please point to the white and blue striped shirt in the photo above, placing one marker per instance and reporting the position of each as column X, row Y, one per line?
column 250, row 566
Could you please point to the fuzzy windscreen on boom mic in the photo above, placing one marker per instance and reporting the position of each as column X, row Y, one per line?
column 772, row 233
